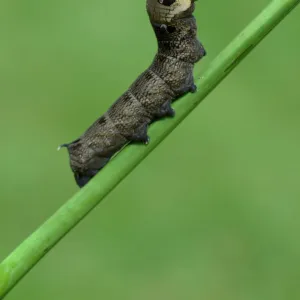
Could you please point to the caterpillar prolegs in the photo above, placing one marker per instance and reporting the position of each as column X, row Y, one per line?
column 149, row 98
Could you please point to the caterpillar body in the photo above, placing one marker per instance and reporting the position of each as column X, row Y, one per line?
column 149, row 98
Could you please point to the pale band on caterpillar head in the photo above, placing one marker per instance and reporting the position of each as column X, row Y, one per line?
column 164, row 11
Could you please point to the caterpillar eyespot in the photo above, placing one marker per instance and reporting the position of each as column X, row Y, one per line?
column 149, row 98
column 166, row 2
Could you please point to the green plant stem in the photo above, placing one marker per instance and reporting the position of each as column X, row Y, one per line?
column 28, row 253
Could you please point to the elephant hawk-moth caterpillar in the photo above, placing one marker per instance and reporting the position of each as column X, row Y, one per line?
column 149, row 98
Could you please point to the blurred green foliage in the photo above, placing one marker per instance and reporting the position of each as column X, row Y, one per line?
column 212, row 213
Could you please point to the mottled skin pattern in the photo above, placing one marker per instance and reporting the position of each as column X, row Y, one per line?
column 149, row 98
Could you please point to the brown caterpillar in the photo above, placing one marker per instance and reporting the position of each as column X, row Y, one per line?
column 149, row 98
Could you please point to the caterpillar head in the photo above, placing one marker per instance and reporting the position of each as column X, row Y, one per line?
column 165, row 11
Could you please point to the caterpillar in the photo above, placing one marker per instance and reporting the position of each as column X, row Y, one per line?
column 149, row 98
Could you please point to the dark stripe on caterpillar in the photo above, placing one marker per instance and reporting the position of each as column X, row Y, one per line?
column 149, row 98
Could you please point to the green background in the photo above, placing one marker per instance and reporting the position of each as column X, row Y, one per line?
column 212, row 213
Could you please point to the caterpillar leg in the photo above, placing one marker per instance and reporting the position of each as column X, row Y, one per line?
column 140, row 135
column 163, row 28
column 193, row 88
column 202, row 51
column 165, row 110
column 92, row 168
column 83, row 179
